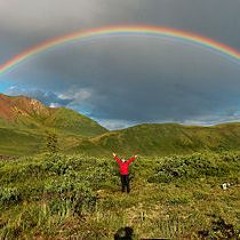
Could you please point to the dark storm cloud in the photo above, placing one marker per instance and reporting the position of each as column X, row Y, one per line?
column 141, row 80
column 218, row 19
column 127, row 80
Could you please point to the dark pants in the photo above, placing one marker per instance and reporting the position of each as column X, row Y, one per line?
column 125, row 183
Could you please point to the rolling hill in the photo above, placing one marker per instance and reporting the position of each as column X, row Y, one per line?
column 151, row 139
column 24, row 112
column 25, row 124
column 65, row 196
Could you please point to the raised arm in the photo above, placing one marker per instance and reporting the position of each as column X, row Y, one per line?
column 130, row 160
column 118, row 160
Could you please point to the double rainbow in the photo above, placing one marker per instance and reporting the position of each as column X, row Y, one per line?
column 122, row 30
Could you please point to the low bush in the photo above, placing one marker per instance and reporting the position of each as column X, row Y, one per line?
column 193, row 166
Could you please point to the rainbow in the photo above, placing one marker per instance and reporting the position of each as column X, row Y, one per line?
column 122, row 30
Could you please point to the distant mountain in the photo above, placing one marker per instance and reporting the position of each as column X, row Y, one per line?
column 25, row 112
column 12, row 109
column 26, row 122
column 164, row 139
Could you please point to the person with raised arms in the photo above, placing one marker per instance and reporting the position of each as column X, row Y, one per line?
column 124, row 170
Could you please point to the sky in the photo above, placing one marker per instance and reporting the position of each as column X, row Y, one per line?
column 125, row 80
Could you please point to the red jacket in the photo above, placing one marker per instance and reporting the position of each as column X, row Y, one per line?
column 123, row 166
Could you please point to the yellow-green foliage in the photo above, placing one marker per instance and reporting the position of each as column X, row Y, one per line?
column 57, row 196
column 78, row 134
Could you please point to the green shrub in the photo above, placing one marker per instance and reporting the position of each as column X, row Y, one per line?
column 10, row 195
column 178, row 200
column 190, row 166
column 57, row 196
column 71, row 192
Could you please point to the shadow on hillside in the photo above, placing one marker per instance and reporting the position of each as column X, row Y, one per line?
column 124, row 234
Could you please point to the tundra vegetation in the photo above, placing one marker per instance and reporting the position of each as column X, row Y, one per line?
column 58, row 179
column 77, row 196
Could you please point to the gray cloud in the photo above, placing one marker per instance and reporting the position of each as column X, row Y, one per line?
column 47, row 97
column 127, row 80
column 39, row 19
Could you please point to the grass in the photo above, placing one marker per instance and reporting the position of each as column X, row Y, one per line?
column 69, row 121
column 166, row 139
column 77, row 133
column 20, row 142
column 58, row 196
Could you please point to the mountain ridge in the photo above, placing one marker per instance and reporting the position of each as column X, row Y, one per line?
column 30, row 112
column 78, row 133
column 25, row 124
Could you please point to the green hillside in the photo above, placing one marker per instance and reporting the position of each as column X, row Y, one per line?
column 66, row 185
column 21, row 112
column 25, row 124
column 69, row 121
column 147, row 139
column 19, row 142
column 165, row 139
